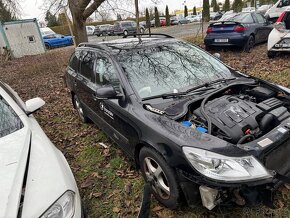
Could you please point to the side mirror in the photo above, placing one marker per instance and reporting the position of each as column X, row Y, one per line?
column 33, row 105
column 217, row 55
column 106, row 92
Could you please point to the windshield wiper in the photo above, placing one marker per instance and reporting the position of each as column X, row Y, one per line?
column 196, row 88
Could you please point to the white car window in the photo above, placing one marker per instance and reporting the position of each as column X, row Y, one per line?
column 9, row 121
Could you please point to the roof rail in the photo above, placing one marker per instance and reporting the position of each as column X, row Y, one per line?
column 91, row 45
column 152, row 34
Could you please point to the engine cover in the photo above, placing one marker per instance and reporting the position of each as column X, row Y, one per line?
column 232, row 115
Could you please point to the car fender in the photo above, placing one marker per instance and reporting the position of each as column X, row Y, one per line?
column 48, row 175
column 274, row 37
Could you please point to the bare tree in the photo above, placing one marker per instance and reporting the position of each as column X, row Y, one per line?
column 9, row 10
column 80, row 11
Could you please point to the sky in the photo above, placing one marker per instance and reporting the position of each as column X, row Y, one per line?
column 35, row 8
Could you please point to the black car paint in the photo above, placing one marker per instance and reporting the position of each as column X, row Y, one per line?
column 133, row 127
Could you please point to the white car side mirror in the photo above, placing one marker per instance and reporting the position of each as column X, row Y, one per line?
column 33, row 105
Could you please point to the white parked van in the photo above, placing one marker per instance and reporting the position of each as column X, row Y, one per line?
column 90, row 30
column 46, row 31
column 275, row 11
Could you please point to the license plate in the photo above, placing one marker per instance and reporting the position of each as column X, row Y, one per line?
column 221, row 40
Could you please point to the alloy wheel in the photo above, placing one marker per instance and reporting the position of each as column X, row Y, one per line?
column 79, row 108
column 156, row 177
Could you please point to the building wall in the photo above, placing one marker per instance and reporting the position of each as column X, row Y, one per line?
column 190, row 11
column 24, row 38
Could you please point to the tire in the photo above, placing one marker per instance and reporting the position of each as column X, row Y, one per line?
column 80, row 111
column 250, row 44
column 125, row 33
column 161, row 177
column 47, row 46
column 271, row 54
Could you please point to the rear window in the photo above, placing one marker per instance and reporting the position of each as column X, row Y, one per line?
column 9, row 121
column 241, row 18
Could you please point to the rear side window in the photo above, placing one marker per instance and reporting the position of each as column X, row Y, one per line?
column 74, row 61
column 87, row 64
column 260, row 18
column 9, row 121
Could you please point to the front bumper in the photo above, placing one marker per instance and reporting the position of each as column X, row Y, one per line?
column 234, row 39
column 252, row 192
column 282, row 45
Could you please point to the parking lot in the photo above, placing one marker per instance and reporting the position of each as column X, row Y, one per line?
column 175, row 31
column 108, row 182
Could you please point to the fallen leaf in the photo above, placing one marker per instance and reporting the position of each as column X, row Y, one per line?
column 116, row 209
column 157, row 208
column 87, row 183
column 128, row 188
column 98, row 194
column 287, row 186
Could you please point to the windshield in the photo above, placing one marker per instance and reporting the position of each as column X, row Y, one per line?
column 169, row 68
column 9, row 121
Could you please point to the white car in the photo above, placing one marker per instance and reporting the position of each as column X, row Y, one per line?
column 279, row 38
column 275, row 11
column 190, row 18
column 46, row 31
column 90, row 30
column 197, row 18
column 35, row 178
column 263, row 9
column 249, row 9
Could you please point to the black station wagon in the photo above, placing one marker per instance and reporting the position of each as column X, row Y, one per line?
column 196, row 128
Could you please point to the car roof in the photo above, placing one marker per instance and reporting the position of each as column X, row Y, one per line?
column 126, row 45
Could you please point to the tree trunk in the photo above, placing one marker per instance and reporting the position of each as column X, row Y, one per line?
column 79, row 27
column 80, row 31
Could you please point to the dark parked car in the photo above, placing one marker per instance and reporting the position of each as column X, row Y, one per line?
column 56, row 40
column 126, row 28
column 196, row 128
column 104, row 30
column 242, row 30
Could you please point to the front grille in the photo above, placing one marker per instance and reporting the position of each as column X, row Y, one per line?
column 279, row 158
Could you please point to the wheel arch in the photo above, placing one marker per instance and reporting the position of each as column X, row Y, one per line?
column 163, row 149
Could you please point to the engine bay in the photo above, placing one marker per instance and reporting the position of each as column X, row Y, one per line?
column 239, row 114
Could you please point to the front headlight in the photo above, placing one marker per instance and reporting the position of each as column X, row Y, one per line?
column 63, row 208
column 223, row 168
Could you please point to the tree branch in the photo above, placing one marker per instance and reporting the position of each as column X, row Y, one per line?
column 91, row 9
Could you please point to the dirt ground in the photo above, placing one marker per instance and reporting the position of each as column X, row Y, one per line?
column 108, row 183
